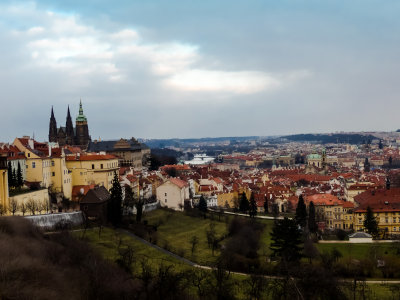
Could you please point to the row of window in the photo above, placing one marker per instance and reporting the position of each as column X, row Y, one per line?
column 109, row 165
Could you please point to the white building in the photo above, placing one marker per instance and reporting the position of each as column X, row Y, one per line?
column 173, row 193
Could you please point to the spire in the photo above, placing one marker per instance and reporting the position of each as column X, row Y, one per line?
column 52, row 127
column 69, row 127
column 81, row 117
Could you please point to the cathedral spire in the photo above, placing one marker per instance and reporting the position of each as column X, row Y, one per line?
column 81, row 117
column 52, row 127
column 69, row 128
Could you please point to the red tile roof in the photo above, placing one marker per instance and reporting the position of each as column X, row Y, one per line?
column 180, row 183
column 90, row 157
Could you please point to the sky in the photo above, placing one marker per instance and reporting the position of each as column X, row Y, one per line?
column 180, row 69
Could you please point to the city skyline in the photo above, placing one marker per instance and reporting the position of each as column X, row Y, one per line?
column 165, row 69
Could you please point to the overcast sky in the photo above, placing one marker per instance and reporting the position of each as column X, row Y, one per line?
column 161, row 69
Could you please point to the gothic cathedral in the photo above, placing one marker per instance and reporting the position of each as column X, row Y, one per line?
column 68, row 135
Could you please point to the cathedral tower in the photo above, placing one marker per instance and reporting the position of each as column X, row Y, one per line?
column 82, row 137
column 53, row 128
column 69, row 129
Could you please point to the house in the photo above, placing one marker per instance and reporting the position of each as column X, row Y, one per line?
column 385, row 205
column 360, row 237
column 95, row 169
column 335, row 213
column 173, row 193
column 129, row 152
column 94, row 204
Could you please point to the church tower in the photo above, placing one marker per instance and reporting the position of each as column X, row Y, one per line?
column 82, row 137
column 69, row 129
column 53, row 128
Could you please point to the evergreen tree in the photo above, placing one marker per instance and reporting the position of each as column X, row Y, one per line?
column 312, row 224
column 301, row 213
column 10, row 176
column 286, row 240
column 14, row 178
column 244, row 205
column 20, row 180
column 202, row 204
column 115, row 203
column 253, row 206
column 139, row 210
column 367, row 166
column 129, row 201
column 370, row 222
column 266, row 205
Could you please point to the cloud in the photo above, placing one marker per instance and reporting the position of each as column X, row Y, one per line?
column 64, row 43
column 242, row 82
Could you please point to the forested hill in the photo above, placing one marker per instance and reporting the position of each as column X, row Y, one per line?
column 351, row 138
column 161, row 143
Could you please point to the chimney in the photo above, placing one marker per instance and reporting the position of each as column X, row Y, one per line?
column 31, row 143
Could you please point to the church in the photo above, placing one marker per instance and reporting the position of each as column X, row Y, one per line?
column 68, row 135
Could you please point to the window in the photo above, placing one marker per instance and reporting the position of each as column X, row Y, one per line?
column 101, row 166
column 33, row 165
column 165, row 194
column 52, row 163
column 394, row 228
column 92, row 166
column 386, row 220
column 29, row 155
column 53, row 174
column 165, row 200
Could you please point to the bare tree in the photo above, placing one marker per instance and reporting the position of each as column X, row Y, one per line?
column 31, row 206
column 194, row 240
column 13, row 207
column 2, row 210
column 43, row 206
column 23, row 208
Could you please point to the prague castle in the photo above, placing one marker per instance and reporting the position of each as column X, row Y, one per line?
column 68, row 135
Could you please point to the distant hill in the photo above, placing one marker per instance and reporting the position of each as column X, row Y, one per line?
column 162, row 143
column 351, row 138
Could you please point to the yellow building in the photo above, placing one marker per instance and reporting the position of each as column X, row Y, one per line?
column 3, row 183
column 388, row 219
column 227, row 199
column 45, row 165
column 95, row 169
column 335, row 213
column 385, row 204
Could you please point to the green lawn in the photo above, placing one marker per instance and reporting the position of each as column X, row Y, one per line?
column 358, row 251
column 107, row 245
column 177, row 229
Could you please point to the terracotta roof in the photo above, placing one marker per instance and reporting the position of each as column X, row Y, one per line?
column 90, row 157
column 176, row 167
column 379, row 200
column 327, row 200
column 180, row 183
